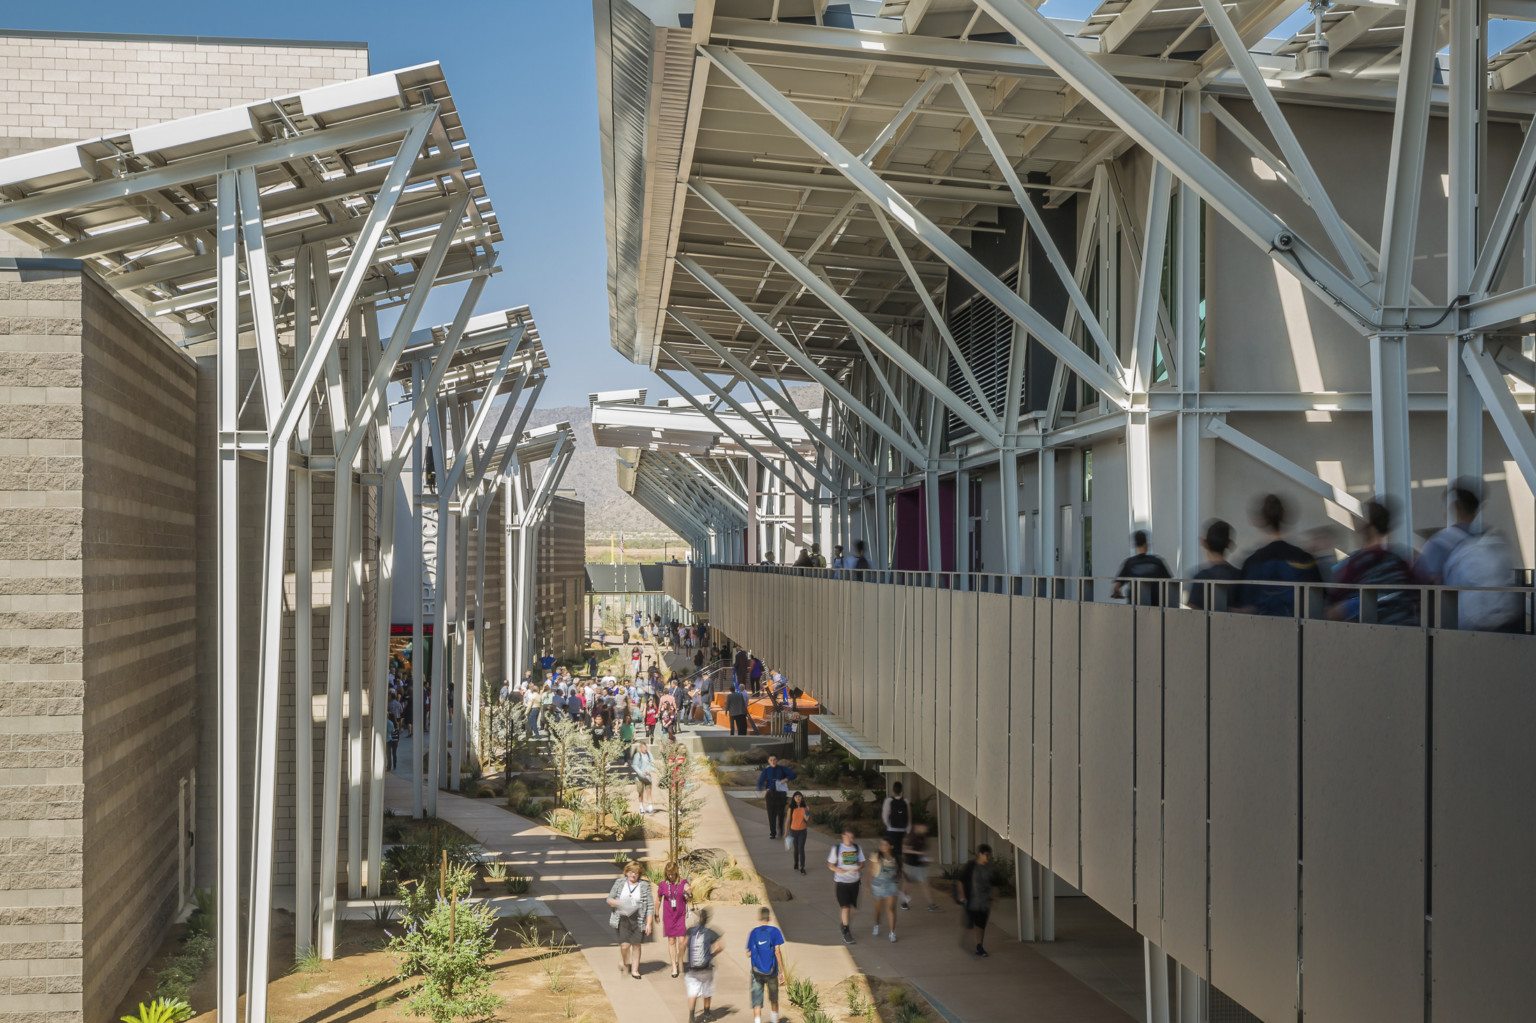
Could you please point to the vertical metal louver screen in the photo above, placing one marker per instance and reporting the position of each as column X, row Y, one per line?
column 984, row 335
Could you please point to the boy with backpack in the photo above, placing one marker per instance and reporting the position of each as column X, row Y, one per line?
column 846, row 861
column 766, row 960
column 699, row 976
column 896, row 815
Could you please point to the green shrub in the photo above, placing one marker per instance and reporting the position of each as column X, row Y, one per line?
column 750, row 899
column 201, row 920
column 855, row 997
column 803, row 996
column 308, row 961
column 449, row 949
column 162, row 1010
column 496, row 871
column 177, row 976
column 517, row 884
column 908, row 1012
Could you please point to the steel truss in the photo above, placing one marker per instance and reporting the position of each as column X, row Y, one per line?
column 293, row 222
column 890, row 233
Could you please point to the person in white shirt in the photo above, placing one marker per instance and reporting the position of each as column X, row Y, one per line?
column 846, row 861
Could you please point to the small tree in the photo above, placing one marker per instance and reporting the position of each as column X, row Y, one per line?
column 449, row 947
column 680, row 777
column 602, row 755
column 568, row 741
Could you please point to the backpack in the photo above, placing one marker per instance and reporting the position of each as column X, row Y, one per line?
column 1482, row 559
column 899, row 814
column 699, row 952
column 760, row 945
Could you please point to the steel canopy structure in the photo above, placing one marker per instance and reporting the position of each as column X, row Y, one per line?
column 284, row 227
column 809, row 194
column 1059, row 280
column 715, row 469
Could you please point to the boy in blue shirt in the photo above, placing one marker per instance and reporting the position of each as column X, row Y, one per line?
column 766, row 959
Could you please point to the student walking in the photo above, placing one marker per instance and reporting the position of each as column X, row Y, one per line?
column 699, row 982
column 914, row 872
column 896, row 815
column 672, row 911
column 765, row 958
column 799, row 827
column 973, row 890
column 393, row 743
column 632, row 905
column 645, row 776
column 846, row 861
column 885, row 885
column 736, row 710
column 774, row 781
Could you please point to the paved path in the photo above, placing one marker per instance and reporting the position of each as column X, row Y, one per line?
column 1016, row 982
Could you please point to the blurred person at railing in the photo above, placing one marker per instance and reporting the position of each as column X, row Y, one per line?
column 1464, row 556
column 839, row 561
column 1141, row 565
column 739, row 668
column 860, row 562
column 755, row 673
column 767, row 559
column 804, row 560
column 1279, row 561
column 1216, row 541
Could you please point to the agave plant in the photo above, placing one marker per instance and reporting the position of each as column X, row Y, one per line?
column 496, row 871
column 162, row 1010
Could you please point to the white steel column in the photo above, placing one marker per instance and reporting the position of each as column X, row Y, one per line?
column 1024, row 898
column 1046, row 534
column 344, row 476
column 1399, row 231
column 1468, row 150
column 418, row 641
column 268, row 690
column 1192, row 996
column 227, row 877
column 303, row 636
column 1155, row 963
column 1187, row 288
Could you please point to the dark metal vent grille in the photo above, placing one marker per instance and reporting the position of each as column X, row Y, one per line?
column 984, row 335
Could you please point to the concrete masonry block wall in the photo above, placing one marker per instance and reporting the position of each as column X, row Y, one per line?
column 138, row 397
column 42, row 679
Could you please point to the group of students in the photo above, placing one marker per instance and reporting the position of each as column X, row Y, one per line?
column 1273, row 578
column 638, row 909
column 899, row 863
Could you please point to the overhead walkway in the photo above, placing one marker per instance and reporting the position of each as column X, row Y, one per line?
column 1320, row 817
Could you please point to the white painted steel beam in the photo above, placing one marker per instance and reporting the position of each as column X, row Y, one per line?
column 1225, row 196
column 841, row 307
column 800, row 359
column 1504, row 411
column 744, row 371
column 941, row 244
column 1280, row 128
column 1218, row 427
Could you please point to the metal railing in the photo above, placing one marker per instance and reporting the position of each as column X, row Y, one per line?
column 1433, row 607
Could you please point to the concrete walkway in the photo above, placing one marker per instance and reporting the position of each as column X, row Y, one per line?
column 1018, row 981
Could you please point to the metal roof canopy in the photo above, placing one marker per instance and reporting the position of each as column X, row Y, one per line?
column 138, row 206
column 681, row 428
column 879, row 89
